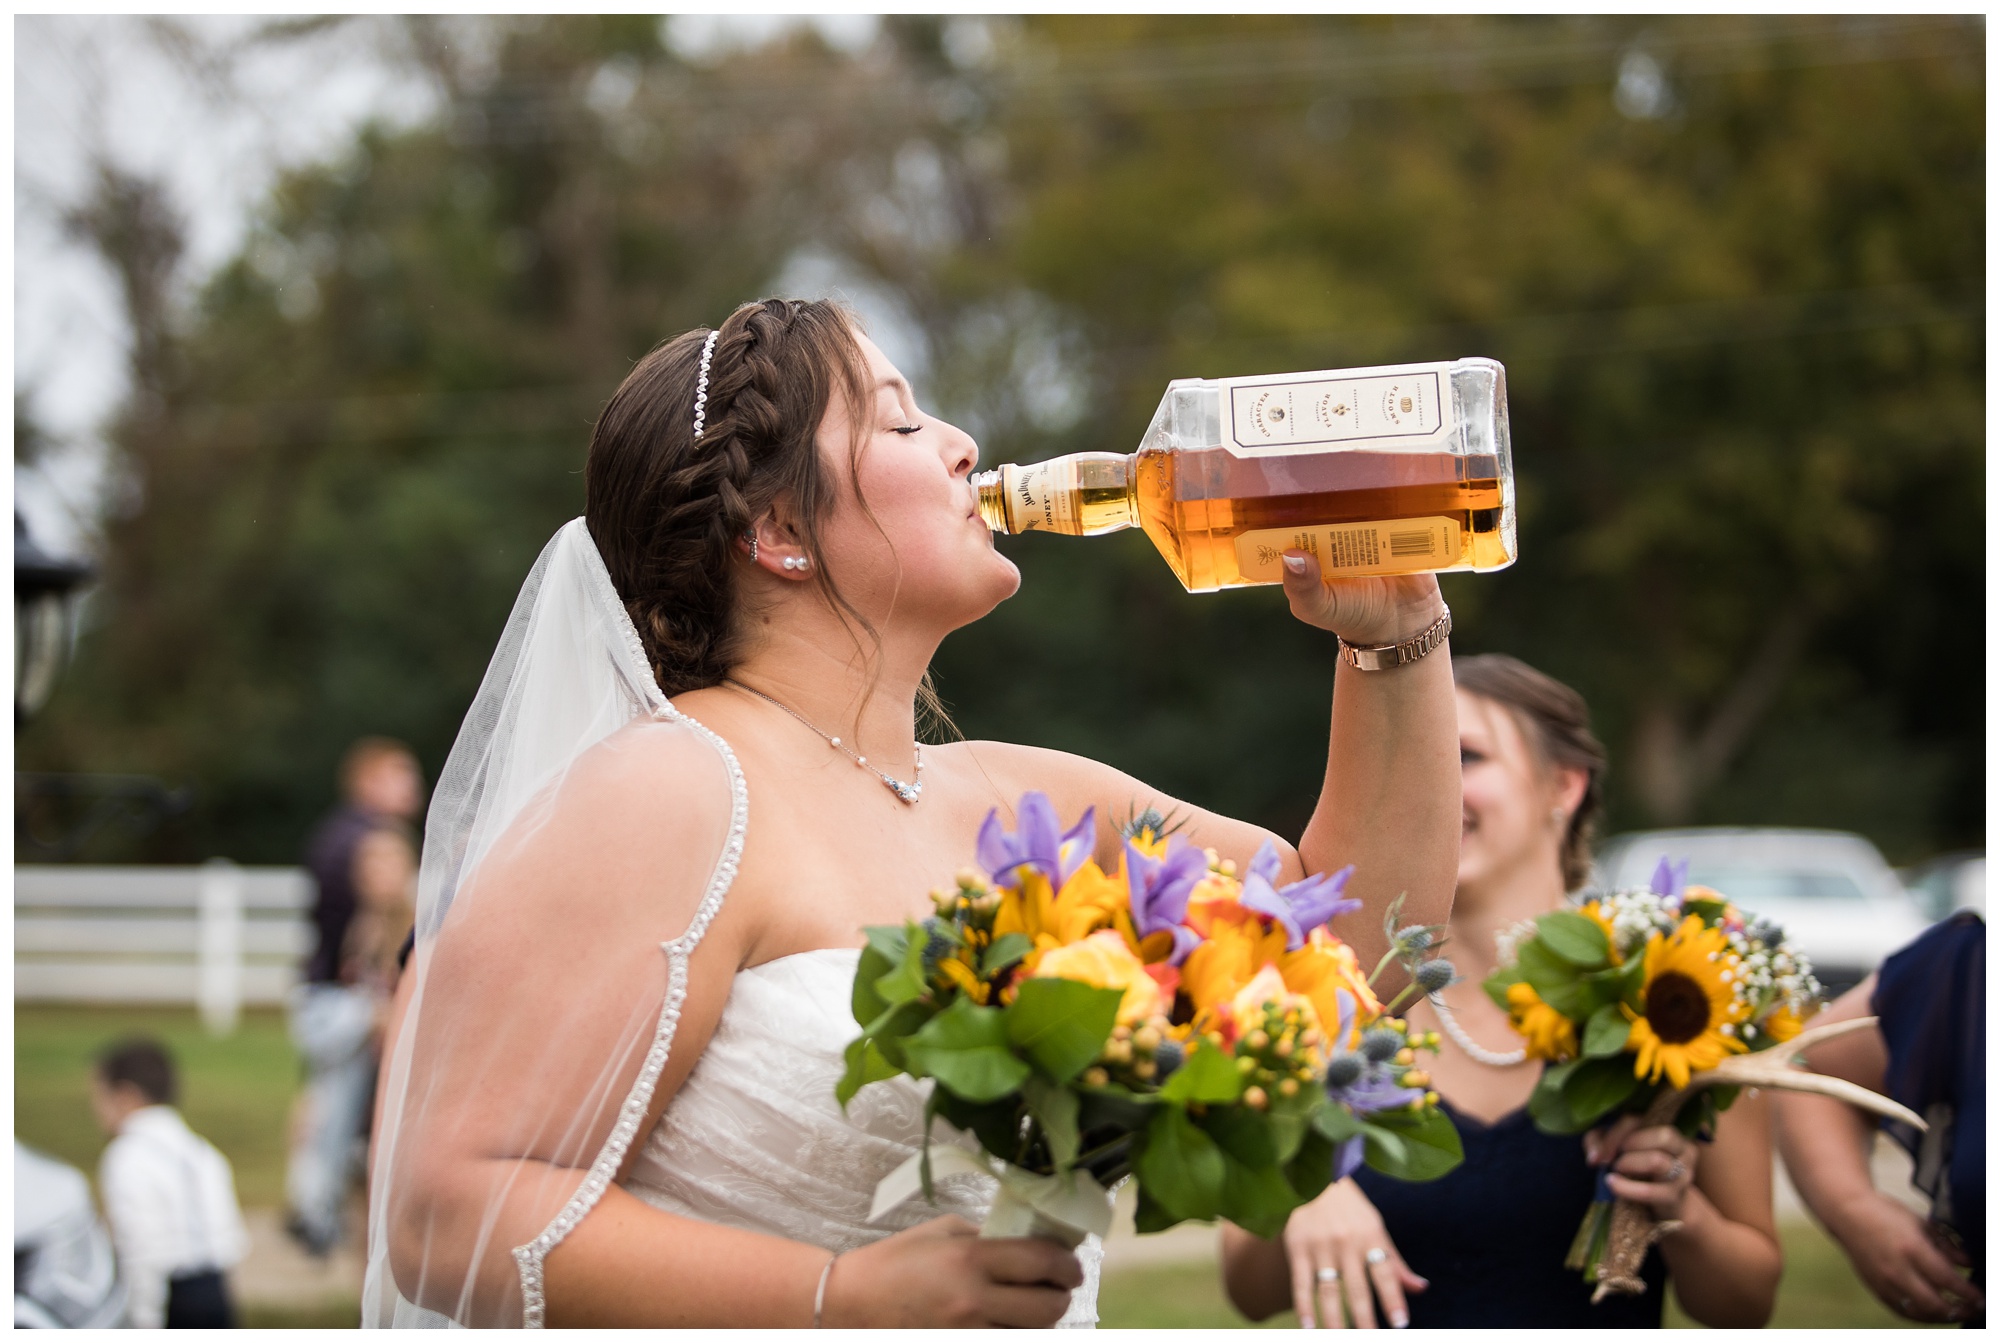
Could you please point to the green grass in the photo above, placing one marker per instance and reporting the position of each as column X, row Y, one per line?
column 236, row 1092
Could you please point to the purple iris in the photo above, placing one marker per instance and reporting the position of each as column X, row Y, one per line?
column 1160, row 889
column 1038, row 844
column 1670, row 877
column 1301, row 906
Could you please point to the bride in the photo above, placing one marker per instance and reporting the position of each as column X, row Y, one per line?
column 690, row 777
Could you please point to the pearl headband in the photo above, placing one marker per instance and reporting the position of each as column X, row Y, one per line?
column 701, row 384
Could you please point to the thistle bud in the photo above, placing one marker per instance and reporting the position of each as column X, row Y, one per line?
column 1413, row 939
column 1433, row 976
column 1380, row 1044
column 1169, row 1057
column 1344, row 1070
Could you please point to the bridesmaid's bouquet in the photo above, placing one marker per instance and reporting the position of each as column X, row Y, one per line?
column 1664, row 1003
column 1197, row 1029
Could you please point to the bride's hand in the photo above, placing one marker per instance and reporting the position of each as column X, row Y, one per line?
column 1364, row 611
column 941, row 1274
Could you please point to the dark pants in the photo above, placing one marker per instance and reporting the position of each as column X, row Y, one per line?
column 199, row 1301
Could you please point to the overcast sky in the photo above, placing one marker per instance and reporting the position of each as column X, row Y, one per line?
column 110, row 88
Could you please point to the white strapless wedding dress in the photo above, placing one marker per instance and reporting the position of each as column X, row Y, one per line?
column 755, row 1139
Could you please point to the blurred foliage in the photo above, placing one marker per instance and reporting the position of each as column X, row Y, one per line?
column 1734, row 267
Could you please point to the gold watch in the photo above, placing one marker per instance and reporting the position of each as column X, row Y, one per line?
column 1383, row 657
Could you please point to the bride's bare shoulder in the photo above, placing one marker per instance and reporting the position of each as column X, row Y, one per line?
column 1072, row 781
column 660, row 777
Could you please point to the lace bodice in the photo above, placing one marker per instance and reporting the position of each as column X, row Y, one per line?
column 755, row 1139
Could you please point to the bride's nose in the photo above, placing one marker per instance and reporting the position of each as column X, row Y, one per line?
column 961, row 453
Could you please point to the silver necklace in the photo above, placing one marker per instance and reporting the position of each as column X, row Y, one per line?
column 1480, row 1053
column 911, row 792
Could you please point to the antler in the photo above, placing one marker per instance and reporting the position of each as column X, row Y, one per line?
column 1773, row 1068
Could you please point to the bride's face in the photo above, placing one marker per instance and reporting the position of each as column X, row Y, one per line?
column 924, row 554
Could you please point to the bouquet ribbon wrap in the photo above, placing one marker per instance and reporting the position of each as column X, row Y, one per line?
column 1062, row 1208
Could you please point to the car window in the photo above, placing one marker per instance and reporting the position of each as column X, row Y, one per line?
column 1750, row 887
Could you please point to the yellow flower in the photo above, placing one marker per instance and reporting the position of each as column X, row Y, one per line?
column 1784, row 1023
column 1547, row 1033
column 1323, row 967
column 1088, row 901
column 1691, row 1011
column 1104, row 960
column 959, row 973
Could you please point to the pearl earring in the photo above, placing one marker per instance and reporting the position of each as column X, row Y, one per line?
column 795, row 562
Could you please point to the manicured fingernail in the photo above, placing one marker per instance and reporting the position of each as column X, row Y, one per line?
column 1306, row 1322
column 1399, row 1321
column 1296, row 563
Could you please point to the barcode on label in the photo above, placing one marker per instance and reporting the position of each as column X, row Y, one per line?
column 1351, row 549
column 1411, row 543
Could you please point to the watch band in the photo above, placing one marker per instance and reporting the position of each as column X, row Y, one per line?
column 1382, row 657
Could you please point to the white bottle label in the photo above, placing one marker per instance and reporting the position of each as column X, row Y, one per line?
column 1388, row 409
column 1042, row 497
column 1399, row 546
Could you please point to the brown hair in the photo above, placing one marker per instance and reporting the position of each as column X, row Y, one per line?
column 1556, row 722
column 666, row 509
column 142, row 1063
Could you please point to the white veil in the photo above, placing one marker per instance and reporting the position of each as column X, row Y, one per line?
column 580, row 826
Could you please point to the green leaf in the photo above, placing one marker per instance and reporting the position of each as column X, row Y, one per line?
column 1335, row 1123
column 1597, row 1087
column 906, row 983
column 1497, row 984
column 1573, row 937
column 997, row 1124
column 1209, row 1077
column 1181, row 1167
column 1385, row 1149
column 1291, row 1119
column 865, row 1064
column 965, row 1048
column 1606, row 1032
column 1150, row 1215
column 1061, row 1025
column 1546, row 1105
column 1054, row 1107
column 1005, row 951
column 1257, row 1197
column 883, row 954
column 1242, row 1134
column 1554, row 978
column 1431, row 1145
column 1310, row 1170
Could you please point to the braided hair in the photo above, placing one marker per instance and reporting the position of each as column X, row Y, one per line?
column 1556, row 722
column 667, row 510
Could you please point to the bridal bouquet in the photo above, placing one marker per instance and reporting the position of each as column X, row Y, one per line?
column 1664, row 1003
column 1197, row 1029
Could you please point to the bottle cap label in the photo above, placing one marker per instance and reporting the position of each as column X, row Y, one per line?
column 1353, row 550
column 1393, row 408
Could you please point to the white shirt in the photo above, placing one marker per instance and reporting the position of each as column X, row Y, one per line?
column 171, row 1202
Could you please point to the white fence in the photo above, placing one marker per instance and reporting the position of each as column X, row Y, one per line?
column 217, row 936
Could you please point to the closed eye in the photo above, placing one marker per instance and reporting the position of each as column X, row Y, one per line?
column 905, row 428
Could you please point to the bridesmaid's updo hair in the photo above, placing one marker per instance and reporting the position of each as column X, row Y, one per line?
column 1556, row 723
column 667, row 510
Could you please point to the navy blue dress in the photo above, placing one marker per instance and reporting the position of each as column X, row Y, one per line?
column 1491, row 1236
column 1931, row 1001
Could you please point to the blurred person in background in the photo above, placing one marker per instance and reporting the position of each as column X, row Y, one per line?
column 334, row 1018
column 1928, row 1051
column 385, row 890
column 1483, row 1247
column 168, row 1195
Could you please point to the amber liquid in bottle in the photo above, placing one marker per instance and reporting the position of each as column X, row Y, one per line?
column 1223, row 521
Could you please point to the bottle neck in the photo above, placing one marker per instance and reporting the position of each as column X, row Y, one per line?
column 1082, row 494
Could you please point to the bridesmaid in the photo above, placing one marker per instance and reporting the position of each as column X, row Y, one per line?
column 1484, row 1246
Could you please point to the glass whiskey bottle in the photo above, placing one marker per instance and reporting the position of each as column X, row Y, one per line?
column 1395, row 470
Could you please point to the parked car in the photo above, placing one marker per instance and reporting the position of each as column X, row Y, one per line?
column 1832, row 892
column 65, row 1276
column 1945, row 885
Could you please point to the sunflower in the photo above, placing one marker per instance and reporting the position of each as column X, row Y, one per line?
column 1548, row 1033
column 1784, row 1023
column 1596, row 913
column 1691, row 1009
